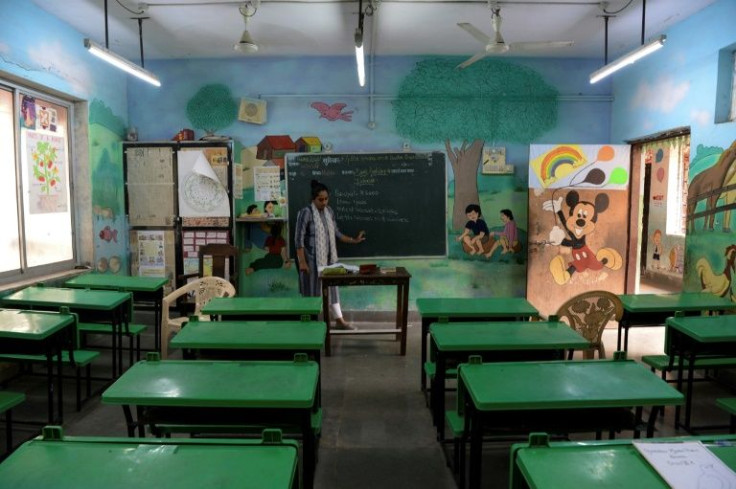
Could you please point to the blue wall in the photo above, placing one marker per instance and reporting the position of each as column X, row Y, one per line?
column 677, row 87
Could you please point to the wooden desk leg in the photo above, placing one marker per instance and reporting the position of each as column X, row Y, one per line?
column 399, row 297
column 326, row 317
column 404, row 316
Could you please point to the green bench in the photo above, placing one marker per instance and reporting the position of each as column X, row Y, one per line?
column 728, row 404
column 8, row 400
column 82, row 360
column 134, row 331
column 662, row 363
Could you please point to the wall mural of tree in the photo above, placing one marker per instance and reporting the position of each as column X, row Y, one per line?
column 212, row 108
column 491, row 100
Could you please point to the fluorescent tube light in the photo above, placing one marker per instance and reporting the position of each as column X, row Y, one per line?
column 121, row 62
column 359, row 56
column 628, row 58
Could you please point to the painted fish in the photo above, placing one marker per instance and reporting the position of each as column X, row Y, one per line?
column 332, row 112
column 108, row 234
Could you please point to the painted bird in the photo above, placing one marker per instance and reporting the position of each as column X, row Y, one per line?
column 332, row 112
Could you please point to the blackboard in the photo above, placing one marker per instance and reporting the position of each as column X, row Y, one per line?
column 398, row 199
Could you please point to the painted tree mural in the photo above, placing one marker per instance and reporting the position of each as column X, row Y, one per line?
column 490, row 100
column 212, row 108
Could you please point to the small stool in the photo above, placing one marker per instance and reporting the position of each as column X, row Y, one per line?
column 8, row 400
column 728, row 404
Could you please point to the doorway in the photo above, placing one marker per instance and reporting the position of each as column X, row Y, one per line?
column 659, row 209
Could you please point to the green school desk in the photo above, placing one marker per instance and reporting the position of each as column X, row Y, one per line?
column 40, row 333
column 144, row 289
column 91, row 305
column 63, row 462
column 494, row 341
column 400, row 278
column 543, row 394
column 689, row 337
column 654, row 309
column 433, row 310
column 264, row 308
column 541, row 464
column 249, row 338
column 221, row 393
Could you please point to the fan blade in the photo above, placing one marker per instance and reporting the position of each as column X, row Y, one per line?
column 470, row 61
column 475, row 32
column 535, row 46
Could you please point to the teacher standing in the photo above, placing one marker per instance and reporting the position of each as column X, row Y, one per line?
column 315, row 238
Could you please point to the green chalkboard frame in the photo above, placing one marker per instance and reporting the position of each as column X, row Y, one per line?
column 398, row 199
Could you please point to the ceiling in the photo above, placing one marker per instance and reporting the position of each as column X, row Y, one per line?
column 209, row 28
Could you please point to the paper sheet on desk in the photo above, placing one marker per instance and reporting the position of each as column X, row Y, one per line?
column 349, row 268
column 687, row 465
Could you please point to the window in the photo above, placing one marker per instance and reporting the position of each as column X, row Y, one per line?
column 725, row 110
column 35, row 191
column 732, row 114
column 679, row 165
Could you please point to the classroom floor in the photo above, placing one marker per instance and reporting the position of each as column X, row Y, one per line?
column 377, row 431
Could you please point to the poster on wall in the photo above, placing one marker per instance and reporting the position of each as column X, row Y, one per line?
column 201, row 192
column 578, row 209
column 192, row 240
column 151, row 257
column 45, row 159
column 267, row 182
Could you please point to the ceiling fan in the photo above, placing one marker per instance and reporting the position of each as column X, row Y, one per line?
column 247, row 44
column 497, row 45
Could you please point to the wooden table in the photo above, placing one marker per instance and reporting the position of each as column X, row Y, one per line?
column 399, row 278
column 218, row 394
column 494, row 341
column 654, row 309
column 545, row 394
column 144, row 289
column 694, row 336
column 121, row 463
column 542, row 464
column 264, row 308
column 453, row 310
column 91, row 305
column 41, row 333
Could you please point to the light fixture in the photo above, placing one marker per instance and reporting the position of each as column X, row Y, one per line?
column 629, row 58
column 360, row 57
column 359, row 54
column 118, row 61
column 246, row 43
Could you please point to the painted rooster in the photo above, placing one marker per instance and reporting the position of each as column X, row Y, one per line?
column 718, row 284
column 332, row 112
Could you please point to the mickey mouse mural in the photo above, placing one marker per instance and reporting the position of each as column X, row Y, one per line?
column 581, row 221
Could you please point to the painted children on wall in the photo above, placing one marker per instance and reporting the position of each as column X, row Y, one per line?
column 581, row 221
column 656, row 254
column 475, row 233
column 508, row 239
column 275, row 247
column 269, row 208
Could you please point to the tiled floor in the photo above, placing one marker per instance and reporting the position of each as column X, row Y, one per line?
column 377, row 431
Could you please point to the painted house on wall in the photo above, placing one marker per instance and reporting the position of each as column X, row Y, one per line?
column 275, row 148
column 672, row 88
column 308, row 144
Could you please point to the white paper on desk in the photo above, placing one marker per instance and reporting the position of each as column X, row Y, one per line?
column 349, row 268
column 687, row 465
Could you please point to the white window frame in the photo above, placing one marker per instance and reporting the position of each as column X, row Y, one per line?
column 24, row 271
column 677, row 188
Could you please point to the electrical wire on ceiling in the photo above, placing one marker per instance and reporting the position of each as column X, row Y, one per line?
column 617, row 11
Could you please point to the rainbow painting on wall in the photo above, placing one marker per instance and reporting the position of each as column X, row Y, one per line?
column 578, row 165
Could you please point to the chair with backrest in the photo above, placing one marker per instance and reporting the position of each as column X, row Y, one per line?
column 202, row 291
column 224, row 260
column 588, row 314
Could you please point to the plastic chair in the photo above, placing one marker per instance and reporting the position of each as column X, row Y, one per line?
column 588, row 314
column 202, row 291
column 225, row 261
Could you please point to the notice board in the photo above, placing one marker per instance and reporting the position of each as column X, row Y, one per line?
column 398, row 199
